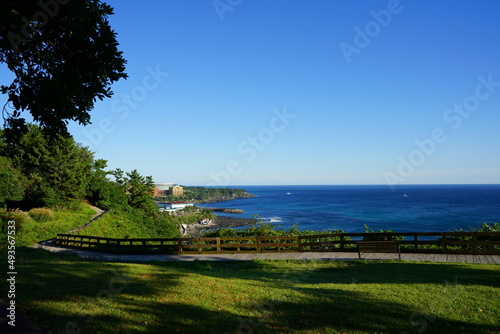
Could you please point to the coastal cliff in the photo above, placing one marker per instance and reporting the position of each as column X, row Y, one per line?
column 228, row 197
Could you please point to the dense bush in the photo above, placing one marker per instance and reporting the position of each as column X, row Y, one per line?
column 12, row 182
column 261, row 229
column 57, row 169
column 375, row 237
column 107, row 195
column 41, row 214
column 495, row 227
column 20, row 217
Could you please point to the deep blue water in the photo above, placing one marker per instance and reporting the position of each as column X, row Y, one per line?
column 426, row 208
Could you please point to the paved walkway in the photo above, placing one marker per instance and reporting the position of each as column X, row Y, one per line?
column 98, row 214
column 333, row 256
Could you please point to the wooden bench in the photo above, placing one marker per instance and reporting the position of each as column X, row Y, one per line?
column 378, row 247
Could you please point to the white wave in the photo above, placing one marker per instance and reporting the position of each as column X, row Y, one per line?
column 272, row 219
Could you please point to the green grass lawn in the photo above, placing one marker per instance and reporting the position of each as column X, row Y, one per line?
column 119, row 224
column 65, row 294
column 64, row 220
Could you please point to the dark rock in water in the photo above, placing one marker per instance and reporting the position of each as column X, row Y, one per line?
column 221, row 221
column 224, row 210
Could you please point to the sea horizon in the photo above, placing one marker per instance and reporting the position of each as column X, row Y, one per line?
column 402, row 208
column 346, row 184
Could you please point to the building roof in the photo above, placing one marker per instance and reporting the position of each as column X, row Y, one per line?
column 164, row 186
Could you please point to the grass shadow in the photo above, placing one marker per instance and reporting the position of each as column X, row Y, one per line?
column 64, row 293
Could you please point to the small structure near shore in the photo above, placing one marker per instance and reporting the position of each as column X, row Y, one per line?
column 173, row 206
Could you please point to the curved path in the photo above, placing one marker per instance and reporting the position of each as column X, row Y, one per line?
column 51, row 242
column 330, row 256
column 98, row 214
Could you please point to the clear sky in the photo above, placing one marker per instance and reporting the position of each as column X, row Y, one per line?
column 240, row 92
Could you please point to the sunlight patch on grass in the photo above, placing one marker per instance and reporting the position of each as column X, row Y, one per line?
column 63, row 221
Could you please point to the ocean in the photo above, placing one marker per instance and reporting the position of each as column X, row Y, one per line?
column 408, row 208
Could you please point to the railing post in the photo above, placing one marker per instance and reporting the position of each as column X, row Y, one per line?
column 415, row 240
column 179, row 246
column 217, row 240
column 257, row 242
column 474, row 241
column 443, row 243
column 299, row 243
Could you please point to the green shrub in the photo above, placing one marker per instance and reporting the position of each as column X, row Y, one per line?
column 68, row 205
column 375, row 237
column 132, row 223
column 20, row 217
column 495, row 227
column 41, row 214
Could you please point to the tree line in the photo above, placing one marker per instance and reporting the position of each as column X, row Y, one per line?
column 55, row 171
column 205, row 194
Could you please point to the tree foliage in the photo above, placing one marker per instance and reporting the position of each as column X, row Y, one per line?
column 57, row 168
column 64, row 56
column 204, row 194
column 139, row 190
column 12, row 182
column 103, row 192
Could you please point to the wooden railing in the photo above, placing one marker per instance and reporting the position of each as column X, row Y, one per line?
column 414, row 242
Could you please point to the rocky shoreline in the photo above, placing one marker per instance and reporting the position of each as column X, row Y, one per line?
column 219, row 222
column 223, row 210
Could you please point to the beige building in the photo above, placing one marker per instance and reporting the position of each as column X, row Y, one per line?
column 164, row 189
column 176, row 190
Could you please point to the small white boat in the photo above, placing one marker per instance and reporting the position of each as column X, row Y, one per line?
column 288, row 193
column 405, row 195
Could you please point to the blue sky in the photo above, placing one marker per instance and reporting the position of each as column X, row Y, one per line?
column 247, row 92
